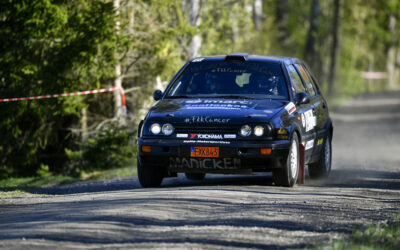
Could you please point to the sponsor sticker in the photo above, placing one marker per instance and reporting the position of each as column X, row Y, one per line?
column 206, row 119
column 258, row 115
column 207, row 142
column 218, row 104
column 309, row 121
column 282, row 137
column 204, row 163
column 230, row 136
column 193, row 101
column 282, row 131
column 205, row 136
column 198, row 59
column 182, row 135
column 290, row 108
column 309, row 144
column 320, row 141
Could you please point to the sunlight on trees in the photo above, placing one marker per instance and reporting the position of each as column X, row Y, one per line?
column 50, row 47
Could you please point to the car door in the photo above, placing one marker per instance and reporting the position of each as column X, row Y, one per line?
column 319, row 106
column 306, row 113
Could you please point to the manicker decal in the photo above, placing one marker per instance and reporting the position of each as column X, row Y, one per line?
column 290, row 108
column 206, row 163
column 206, row 119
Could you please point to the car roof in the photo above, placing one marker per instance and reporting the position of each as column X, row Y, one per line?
column 250, row 58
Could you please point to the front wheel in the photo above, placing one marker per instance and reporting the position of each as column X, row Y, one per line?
column 322, row 167
column 287, row 176
column 149, row 176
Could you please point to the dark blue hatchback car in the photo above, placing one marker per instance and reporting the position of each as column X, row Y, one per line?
column 237, row 114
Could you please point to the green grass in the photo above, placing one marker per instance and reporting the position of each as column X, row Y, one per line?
column 15, row 193
column 380, row 236
column 20, row 186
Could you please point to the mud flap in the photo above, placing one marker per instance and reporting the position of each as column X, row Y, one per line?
column 301, row 179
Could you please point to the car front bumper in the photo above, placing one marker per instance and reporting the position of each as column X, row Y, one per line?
column 234, row 156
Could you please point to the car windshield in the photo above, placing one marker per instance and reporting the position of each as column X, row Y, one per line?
column 230, row 79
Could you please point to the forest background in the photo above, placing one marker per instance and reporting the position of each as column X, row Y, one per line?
column 61, row 46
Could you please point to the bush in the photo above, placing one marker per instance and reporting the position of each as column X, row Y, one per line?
column 110, row 148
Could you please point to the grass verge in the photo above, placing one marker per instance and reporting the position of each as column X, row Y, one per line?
column 380, row 236
column 13, row 187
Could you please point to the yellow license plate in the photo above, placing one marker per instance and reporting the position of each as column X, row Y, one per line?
column 210, row 152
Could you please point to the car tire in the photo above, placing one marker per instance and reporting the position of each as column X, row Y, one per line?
column 149, row 176
column 195, row 176
column 323, row 166
column 287, row 175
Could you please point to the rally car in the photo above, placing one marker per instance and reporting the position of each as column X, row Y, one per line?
column 237, row 114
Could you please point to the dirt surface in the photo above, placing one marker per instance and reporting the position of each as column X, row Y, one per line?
column 227, row 212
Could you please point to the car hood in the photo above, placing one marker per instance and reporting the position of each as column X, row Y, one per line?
column 215, row 110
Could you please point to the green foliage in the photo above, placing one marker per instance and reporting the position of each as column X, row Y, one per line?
column 49, row 47
column 112, row 147
column 43, row 171
column 380, row 236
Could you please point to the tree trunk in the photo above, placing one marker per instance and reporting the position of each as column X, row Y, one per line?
column 391, row 57
column 281, row 21
column 257, row 14
column 119, row 111
column 310, row 54
column 335, row 45
column 195, row 20
column 84, row 127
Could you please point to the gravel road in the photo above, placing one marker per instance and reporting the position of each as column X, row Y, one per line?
column 226, row 212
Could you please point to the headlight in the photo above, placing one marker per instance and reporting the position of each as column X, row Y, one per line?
column 258, row 130
column 268, row 130
column 155, row 128
column 167, row 129
column 245, row 130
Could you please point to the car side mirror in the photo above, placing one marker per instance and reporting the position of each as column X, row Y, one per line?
column 157, row 95
column 302, row 98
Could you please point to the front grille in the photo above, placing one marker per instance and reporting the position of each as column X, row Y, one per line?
column 205, row 129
